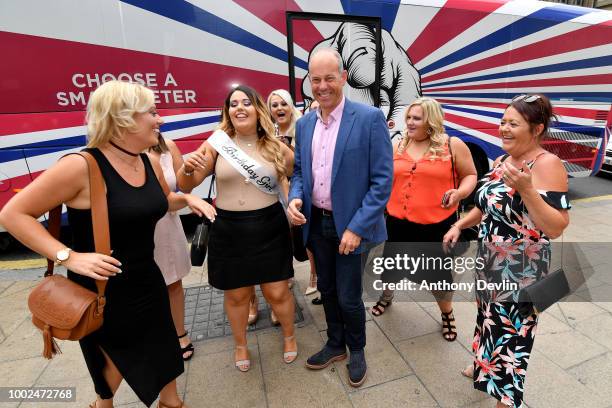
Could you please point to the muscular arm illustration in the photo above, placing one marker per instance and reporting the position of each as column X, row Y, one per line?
column 400, row 81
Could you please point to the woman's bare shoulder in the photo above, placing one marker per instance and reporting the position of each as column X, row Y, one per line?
column 73, row 163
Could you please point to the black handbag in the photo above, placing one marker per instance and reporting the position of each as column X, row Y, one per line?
column 541, row 294
column 199, row 244
column 467, row 234
column 297, row 243
column 544, row 293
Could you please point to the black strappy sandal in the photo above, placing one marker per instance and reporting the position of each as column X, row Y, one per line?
column 449, row 330
column 381, row 306
column 187, row 349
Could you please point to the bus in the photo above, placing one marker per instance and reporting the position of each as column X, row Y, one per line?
column 472, row 56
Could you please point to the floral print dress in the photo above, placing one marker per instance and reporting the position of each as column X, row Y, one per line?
column 515, row 251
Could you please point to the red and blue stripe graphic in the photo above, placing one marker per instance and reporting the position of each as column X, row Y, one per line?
column 472, row 55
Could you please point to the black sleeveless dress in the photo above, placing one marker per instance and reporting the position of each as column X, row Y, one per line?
column 138, row 333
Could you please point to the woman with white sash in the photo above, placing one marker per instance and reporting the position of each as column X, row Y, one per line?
column 249, row 242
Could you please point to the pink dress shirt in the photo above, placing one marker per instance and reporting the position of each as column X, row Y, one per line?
column 323, row 147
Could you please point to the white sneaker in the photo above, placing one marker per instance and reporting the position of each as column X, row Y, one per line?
column 310, row 290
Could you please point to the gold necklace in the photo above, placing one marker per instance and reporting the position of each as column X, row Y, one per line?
column 252, row 146
column 133, row 166
column 250, row 150
column 410, row 141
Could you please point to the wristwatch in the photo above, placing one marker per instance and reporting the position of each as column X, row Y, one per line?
column 188, row 173
column 62, row 255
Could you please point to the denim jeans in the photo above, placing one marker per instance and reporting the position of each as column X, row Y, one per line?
column 340, row 284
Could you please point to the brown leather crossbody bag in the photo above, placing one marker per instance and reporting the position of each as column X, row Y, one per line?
column 61, row 308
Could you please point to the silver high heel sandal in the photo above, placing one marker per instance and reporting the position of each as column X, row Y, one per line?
column 243, row 365
column 290, row 356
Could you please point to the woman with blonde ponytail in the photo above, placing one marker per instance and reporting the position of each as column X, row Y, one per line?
column 249, row 242
column 432, row 173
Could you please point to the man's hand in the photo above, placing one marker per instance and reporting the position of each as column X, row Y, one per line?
column 293, row 211
column 350, row 241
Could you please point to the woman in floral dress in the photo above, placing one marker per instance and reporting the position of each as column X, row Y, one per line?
column 520, row 205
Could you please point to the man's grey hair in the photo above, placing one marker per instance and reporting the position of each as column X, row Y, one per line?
column 332, row 51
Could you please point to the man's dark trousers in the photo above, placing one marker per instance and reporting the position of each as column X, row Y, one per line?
column 339, row 280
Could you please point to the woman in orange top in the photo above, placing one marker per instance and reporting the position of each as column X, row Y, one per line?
column 424, row 199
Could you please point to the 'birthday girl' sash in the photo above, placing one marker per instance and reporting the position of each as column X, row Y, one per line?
column 260, row 176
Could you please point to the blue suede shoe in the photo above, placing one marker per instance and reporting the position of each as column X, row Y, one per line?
column 325, row 357
column 357, row 368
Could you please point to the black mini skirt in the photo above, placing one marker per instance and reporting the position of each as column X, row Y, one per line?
column 248, row 248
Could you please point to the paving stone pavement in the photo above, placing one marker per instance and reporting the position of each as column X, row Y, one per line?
column 410, row 364
column 205, row 319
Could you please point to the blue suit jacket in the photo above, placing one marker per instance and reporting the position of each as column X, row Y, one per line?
column 362, row 172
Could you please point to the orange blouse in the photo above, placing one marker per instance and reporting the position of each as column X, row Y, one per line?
column 418, row 187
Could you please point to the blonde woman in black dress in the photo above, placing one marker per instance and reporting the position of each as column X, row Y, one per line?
column 137, row 341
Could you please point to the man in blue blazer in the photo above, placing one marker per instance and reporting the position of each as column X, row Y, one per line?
column 340, row 185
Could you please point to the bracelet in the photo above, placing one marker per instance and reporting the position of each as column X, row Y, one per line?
column 455, row 225
column 187, row 173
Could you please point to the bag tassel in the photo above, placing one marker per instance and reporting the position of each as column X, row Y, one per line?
column 51, row 346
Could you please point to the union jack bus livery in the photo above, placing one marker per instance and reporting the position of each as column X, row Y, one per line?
column 473, row 56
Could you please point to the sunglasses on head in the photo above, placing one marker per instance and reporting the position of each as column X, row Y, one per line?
column 526, row 98
column 529, row 99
